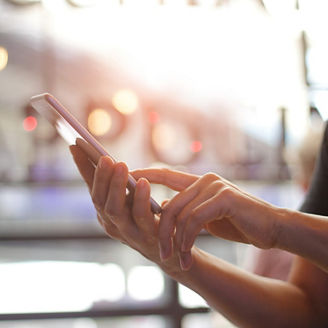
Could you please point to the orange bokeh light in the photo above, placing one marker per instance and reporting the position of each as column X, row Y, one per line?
column 30, row 123
column 99, row 122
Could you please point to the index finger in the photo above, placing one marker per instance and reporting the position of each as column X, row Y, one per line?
column 175, row 180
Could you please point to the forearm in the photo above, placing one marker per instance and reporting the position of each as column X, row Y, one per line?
column 305, row 235
column 244, row 298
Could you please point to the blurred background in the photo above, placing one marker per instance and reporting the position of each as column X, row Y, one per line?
column 228, row 86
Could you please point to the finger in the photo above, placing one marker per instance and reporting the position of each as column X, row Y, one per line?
column 110, row 229
column 185, row 259
column 168, row 219
column 175, row 180
column 115, row 203
column 214, row 207
column 187, row 211
column 141, row 209
column 116, row 208
column 83, row 164
column 101, row 181
column 172, row 210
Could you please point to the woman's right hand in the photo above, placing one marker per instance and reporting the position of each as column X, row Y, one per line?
column 213, row 203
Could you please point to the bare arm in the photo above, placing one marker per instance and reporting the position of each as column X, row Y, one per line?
column 244, row 298
column 249, row 300
column 305, row 235
column 226, row 211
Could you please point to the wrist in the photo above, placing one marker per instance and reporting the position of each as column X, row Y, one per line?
column 282, row 218
column 172, row 266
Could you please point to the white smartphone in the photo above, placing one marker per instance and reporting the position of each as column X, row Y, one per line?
column 73, row 132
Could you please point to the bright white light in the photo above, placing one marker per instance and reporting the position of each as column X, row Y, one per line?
column 84, row 323
column 145, row 283
column 233, row 53
column 320, row 99
column 3, row 58
column 57, row 286
column 279, row 7
column 189, row 298
column 113, row 283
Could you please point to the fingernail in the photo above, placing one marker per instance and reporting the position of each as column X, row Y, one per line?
column 142, row 183
column 163, row 252
column 185, row 260
column 101, row 163
column 119, row 169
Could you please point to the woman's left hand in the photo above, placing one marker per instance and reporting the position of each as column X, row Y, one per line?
column 127, row 220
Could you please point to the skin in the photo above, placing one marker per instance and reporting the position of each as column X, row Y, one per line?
column 215, row 204
column 244, row 298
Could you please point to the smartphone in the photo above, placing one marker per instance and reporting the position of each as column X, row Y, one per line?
column 73, row 132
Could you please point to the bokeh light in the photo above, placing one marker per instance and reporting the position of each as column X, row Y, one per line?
column 112, row 289
column 145, row 283
column 30, row 123
column 3, row 58
column 99, row 122
column 56, row 286
column 125, row 101
column 153, row 117
column 189, row 298
column 196, row 146
column 164, row 136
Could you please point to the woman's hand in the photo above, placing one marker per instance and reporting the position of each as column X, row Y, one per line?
column 212, row 203
column 127, row 220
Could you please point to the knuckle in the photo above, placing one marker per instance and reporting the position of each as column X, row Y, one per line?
column 227, row 194
column 193, row 218
column 137, row 214
column 112, row 211
column 181, row 219
column 217, row 184
column 210, row 176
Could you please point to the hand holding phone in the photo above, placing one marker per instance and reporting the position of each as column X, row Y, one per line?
column 73, row 132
